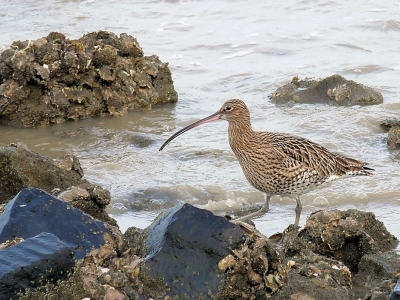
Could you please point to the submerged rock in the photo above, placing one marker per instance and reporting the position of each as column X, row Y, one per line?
column 390, row 123
column 393, row 125
column 54, row 79
column 393, row 139
column 33, row 262
column 334, row 89
column 33, row 211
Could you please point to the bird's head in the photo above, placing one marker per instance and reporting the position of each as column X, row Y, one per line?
column 233, row 110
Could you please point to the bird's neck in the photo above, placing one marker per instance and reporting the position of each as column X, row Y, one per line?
column 238, row 133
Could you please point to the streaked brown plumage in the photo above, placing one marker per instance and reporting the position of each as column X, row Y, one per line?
column 279, row 163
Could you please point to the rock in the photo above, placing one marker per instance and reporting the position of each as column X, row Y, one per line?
column 91, row 199
column 390, row 123
column 11, row 243
column 69, row 163
column 373, row 267
column 183, row 248
column 192, row 254
column 33, row 211
column 133, row 239
column 383, row 291
column 116, row 279
column 334, row 89
column 316, row 277
column 396, row 292
column 33, row 262
column 342, row 235
column 55, row 79
column 21, row 168
column 393, row 139
column 81, row 131
column 113, row 294
column 300, row 296
column 105, row 273
column 256, row 270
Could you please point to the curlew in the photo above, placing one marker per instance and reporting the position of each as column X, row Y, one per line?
column 279, row 163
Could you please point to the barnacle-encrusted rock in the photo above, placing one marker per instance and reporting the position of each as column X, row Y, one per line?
column 54, row 79
column 342, row 235
column 254, row 269
column 314, row 276
column 257, row 269
column 390, row 123
column 335, row 89
column 393, row 125
column 393, row 139
column 21, row 168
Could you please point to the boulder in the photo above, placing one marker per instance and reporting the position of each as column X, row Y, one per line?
column 188, row 253
column 89, row 198
column 334, row 89
column 33, row 262
column 33, row 211
column 387, row 289
column 342, row 235
column 375, row 267
column 396, row 292
column 393, row 127
column 254, row 271
column 21, row 168
column 55, row 79
column 183, row 248
column 314, row 276
column 390, row 123
column 393, row 139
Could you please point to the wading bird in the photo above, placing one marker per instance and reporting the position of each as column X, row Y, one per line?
column 279, row 163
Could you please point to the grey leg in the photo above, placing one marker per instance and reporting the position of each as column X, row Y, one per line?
column 299, row 208
column 263, row 210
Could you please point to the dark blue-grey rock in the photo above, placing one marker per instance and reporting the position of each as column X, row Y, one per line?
column 396, row 292
column 33, row 211
column 183, row 248
column 29, row 264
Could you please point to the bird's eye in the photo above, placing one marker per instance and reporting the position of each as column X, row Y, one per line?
column 228, row 108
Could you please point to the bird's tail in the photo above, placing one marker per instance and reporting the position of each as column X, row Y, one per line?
column 366, row 169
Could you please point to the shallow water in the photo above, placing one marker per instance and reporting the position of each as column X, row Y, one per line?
column 220, row 50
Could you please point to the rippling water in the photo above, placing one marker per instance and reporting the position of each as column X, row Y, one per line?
column 220, row 50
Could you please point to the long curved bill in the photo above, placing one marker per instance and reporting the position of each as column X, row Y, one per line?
column 211, row 118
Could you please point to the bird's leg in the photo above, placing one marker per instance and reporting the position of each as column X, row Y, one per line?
column 263, row 210
column 299, row 208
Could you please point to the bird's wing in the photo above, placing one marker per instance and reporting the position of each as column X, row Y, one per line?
column 298, row 152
